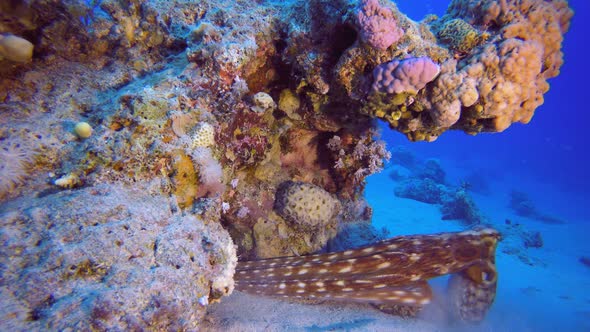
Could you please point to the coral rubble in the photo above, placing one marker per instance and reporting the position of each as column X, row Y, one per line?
column 221, row 103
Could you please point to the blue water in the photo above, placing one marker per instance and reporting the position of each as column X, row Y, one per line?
column 549, row 160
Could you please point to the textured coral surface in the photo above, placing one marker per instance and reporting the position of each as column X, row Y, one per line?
column 82, row 260
column 215, row 104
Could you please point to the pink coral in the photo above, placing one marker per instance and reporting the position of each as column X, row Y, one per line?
column 377, row 24
column 408, row 75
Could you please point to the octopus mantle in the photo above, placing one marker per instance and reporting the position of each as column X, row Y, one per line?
column 389, row 273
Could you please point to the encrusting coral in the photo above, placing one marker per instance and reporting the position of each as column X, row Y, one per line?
column 92, row 259
column 459, row 35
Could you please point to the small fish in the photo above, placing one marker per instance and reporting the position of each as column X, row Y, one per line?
column 392, row 272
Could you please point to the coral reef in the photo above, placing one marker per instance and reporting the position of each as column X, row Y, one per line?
column 486, row 52
column 432, row 169
column 460, row 206
column 221, row 102
column 426, row 190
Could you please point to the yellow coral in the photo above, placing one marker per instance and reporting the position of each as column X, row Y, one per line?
column 289, row 103
column 185, row 180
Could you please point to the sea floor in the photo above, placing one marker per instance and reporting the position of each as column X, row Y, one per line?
column 539, row 289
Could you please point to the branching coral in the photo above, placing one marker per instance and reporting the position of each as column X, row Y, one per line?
column 355, row 161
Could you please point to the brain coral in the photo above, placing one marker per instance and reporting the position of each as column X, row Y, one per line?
column 305, row 205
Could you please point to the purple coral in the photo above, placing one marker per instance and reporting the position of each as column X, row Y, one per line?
column 378, row 27
column 408, row 75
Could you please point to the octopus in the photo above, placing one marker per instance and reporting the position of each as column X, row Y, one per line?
column 391, row 273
